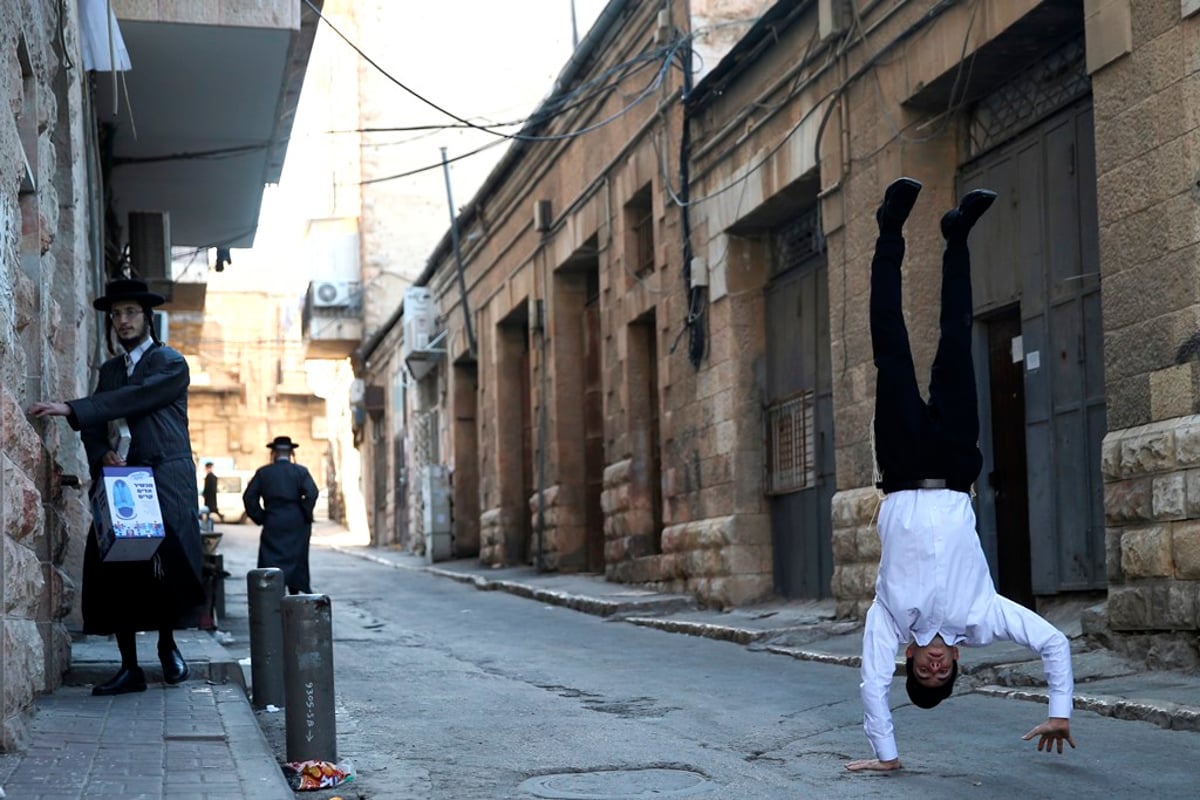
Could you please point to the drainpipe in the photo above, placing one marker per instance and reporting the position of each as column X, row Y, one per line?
column 539, row 310
column 462, row 281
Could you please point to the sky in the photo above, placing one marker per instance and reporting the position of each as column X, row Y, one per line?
column 469, row 56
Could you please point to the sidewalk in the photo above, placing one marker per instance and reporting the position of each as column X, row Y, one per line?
column 195, row 741
column 1105, row 683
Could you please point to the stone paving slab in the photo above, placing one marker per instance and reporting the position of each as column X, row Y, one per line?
column 195, row 741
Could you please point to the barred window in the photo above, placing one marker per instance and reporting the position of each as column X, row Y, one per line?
column 1053, row 83
column 797, row 242
column 791, row 444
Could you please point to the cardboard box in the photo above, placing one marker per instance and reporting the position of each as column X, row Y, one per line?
column 129, row 524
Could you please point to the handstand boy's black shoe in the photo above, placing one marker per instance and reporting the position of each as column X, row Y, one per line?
column 957, row 222
column 124, row 682
column 175, row 669
column 898, row 201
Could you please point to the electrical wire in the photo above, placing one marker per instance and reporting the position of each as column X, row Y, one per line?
column 194, row 155
column 945, row 118
column 429, row 167
column 659, row 77
column 463, row 121
column 544, row 115
column 578, row 97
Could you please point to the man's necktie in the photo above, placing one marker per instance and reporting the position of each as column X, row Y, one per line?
column 128, row 365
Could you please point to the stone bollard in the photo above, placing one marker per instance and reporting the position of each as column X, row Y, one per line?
column 308, row 678
column 264, row 591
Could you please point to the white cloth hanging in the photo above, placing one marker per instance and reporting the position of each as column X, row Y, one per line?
column 97, row 23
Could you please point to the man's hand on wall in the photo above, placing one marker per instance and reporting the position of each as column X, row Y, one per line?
column 50, row 409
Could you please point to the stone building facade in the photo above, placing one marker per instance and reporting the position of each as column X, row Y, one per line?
column 1144, row 59
column 68, row 177
column 667, row 375
column 47, row 343
column 249, row 382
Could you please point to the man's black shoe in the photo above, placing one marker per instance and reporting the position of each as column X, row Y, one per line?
column 175, row 669
column 898, row 202
column 124, row 682
column 957, row 222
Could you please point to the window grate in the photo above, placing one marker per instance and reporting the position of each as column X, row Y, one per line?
column 797, row 242
column 1052, row 83
column 790, row 434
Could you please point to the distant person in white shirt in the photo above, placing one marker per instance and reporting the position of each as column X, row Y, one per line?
column 934, row 591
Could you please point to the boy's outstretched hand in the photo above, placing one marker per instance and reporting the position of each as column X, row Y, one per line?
column 873, row 765
column 1054, row 729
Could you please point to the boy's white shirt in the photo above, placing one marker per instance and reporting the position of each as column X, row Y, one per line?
column 934, row 578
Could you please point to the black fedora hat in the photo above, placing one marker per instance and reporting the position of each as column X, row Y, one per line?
column 130, row 289
column 282, row 442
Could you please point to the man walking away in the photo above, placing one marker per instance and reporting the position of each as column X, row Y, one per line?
column 210, row 491
column 280, row 498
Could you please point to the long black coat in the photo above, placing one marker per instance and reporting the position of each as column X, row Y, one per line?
column 165, row 591
column 281, row 497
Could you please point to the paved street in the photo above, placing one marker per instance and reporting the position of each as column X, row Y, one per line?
column 445, row 691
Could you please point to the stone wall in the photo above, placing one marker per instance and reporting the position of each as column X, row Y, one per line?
column 723, row 561
column 1152, row 508
column 492, row 524
column 1145, row 63
column 855, row 550
column 46, row 338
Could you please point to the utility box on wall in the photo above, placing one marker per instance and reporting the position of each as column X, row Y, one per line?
column 435, row 499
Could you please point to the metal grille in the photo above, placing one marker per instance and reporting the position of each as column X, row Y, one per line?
column 1051, row 84
column 791, row 460
column 795, row 243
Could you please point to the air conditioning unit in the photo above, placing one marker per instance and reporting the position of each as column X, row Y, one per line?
column 331, row 294
column 418, row 321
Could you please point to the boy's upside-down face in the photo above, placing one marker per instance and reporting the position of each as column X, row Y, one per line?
column 933, row 664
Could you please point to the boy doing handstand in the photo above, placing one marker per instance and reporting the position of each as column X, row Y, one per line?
column 934, row 591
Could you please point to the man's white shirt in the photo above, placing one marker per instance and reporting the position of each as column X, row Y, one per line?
column 133, row 356
column 934, row 578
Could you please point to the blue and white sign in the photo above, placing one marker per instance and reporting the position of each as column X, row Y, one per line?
column 129, row 524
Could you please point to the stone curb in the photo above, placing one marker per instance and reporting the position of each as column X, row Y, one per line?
column 821, row 658
column 1164, row 714
column 724, row 633
column 588, row 605
column 256, row 763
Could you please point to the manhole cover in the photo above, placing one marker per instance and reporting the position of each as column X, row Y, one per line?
column 617, row 784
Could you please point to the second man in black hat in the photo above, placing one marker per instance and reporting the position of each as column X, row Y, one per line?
column 280, row 498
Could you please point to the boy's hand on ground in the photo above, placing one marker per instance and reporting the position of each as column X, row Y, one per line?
column 1054, row 729
column 873, row 765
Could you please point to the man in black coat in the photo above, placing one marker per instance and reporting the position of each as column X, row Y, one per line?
column 281, row 497
column 146, row 385
column 210, row 491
